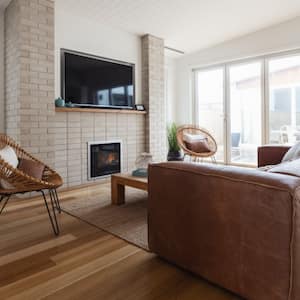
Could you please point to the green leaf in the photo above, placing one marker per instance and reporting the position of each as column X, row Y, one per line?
column 172, row 137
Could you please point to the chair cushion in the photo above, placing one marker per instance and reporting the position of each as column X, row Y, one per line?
column 188, row 137
column 198, row 146
column 32, row 168
column 9, row 155
column 292, row 154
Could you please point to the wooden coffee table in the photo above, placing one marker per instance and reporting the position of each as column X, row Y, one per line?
column 118, row 183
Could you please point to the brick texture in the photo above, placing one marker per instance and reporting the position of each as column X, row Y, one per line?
column 60, row 139
column 29, row 64
column 73, row 131
column 153, row 96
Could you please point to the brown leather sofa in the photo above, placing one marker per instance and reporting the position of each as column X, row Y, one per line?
column 237, row 227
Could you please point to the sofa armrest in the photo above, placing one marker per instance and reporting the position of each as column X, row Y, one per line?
column 271, row 154
column 230, row 225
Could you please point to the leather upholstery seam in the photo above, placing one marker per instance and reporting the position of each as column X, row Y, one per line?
column 229, row 178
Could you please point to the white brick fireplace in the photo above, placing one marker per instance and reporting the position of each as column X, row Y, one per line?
column 60, row 137
column 74, row 130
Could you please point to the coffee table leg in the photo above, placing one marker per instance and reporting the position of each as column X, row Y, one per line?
column 117, row 192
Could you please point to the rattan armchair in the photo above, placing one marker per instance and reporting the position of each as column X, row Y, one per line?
column 22, row 183
column 197, row 156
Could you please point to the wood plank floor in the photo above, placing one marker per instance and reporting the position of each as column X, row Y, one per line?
column 83, row 262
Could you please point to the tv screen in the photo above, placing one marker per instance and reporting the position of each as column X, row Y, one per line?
column 92, row 81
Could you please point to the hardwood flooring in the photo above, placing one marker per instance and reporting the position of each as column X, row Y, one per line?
column 83, row 262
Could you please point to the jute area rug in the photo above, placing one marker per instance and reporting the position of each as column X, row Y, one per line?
column 128, row 221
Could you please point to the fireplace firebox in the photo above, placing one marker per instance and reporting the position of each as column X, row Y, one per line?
column 104, row 158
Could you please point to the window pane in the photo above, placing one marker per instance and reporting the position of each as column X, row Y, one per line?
column 245, row 112
column 284, row 108
column 210, row 93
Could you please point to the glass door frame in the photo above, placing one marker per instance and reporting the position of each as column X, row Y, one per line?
column 228, row 104
column 195, row 115
column 267, row 60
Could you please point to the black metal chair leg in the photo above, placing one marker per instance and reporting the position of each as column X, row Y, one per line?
column 53, row 219
column 5, row 202
column 56, row 199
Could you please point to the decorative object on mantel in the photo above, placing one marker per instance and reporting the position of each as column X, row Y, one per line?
column 174, row 153
column 142, row 163
column 69, row 104
column 59, row 102
column 140, row 107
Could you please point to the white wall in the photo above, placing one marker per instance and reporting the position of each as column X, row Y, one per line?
column 285, row 36
column 80, row 34
column 170, row 81
column 2, row 108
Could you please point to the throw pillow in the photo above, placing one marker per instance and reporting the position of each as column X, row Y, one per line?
column 289, row 168
column 187, row 137
column 293, row 153
column 198, row 146
column 9, row 155
column 32, row 168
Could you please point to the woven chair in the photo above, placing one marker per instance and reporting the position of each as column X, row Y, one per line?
column 194, row 130
column 22, row 183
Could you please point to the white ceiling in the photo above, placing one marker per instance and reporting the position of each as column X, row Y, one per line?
column 187, row 25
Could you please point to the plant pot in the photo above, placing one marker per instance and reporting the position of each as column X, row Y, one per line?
column 174, row 156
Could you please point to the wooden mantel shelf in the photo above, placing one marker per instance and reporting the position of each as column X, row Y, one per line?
column 99, row 110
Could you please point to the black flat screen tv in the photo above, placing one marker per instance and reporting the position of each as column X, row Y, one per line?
column 90, row 81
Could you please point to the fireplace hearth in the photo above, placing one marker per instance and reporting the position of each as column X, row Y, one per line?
column 104, row 158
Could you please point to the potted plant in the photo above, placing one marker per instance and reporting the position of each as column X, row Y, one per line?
column 174, row 153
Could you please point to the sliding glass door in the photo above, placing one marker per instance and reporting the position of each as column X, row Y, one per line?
column 245, row 98
column 284, row 95
column 210, row 105
column 249, row 103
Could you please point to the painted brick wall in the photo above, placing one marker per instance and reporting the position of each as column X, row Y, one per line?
column 153, row 96
column 59, row 139
column 74, row 130
column 12, row 70
column 30, row 75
